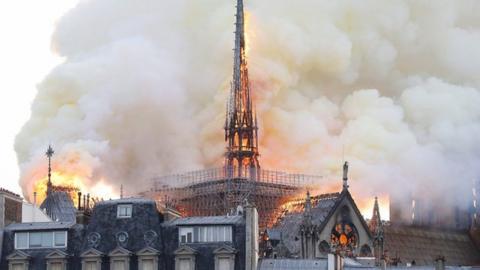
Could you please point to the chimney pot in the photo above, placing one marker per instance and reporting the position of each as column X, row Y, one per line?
column 79, row 200
column 440, row 263
column 88, row 201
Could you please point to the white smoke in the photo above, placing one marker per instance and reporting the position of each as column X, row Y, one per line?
column 391, row 86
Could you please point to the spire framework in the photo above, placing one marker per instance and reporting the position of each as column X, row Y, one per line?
column 241, row 157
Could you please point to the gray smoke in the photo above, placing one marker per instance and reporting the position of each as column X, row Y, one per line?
column 391, row 86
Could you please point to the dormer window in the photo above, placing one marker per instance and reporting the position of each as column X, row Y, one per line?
column 186, row 235
column 39, row 239
column 124, row 211
column 205, row 234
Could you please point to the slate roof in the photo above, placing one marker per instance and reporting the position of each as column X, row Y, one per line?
column 126, row 201
column 424, row 245
column 39, row 226
column 274, row 234
column 322, row 207
column 1, row 244
column 211, row 220
column 59, row 207
column 287, row 264
column 410, row 268
column 289, row 226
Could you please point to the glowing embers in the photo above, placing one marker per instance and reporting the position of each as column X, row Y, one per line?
column 344, row 238
column 344, row 235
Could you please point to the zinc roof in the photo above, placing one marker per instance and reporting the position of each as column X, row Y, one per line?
column 39, row 226
column 210, row 220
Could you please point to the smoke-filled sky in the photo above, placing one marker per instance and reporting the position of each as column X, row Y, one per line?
column 390, row 86
column 26, row 27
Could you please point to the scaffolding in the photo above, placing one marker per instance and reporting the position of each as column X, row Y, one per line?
column 215, row 191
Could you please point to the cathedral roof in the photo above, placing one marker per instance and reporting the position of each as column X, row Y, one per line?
column 289, row 226
column 424, row 245
column 323, row 207
column 59, row 207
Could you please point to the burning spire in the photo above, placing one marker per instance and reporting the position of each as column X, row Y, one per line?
column 49, row 155
column 241, row 158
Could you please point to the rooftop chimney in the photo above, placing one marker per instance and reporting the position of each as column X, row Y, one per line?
column 440, row 263
column 79, row 200
column 34, row 205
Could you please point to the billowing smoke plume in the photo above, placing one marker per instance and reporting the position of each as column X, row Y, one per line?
column 391, row 86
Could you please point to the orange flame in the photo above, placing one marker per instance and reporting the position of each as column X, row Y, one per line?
column 59, row 179
column 248, row 32
column 72, row 183
column 366, row 206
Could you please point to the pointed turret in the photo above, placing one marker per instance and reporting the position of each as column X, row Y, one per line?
column 376, row 221
column 308, row 209
column 241, row 157
column 308, row 230
column 376, row 227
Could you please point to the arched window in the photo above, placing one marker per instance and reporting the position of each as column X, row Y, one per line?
column 366, row 251
column 324, row 247
column 345, row 213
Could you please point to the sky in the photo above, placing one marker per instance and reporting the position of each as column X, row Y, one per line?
column 395, row 92
column 26, row 27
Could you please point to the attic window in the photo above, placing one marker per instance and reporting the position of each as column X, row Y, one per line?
column 124, row 211
column 39, row 239
column 205, row 234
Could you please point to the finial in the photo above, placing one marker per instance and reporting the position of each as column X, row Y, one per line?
column 88, row 202
column 50, row 151
column 307, row 214
column 49, row 155
column 308, row 203
column 376, row 208
column 345, row 175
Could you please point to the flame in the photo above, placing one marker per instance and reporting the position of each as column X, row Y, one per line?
column 296, row 204
column 63, row 180
column 249, row 33
column 102, row 190
column 72, row 183
column 366, row 206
